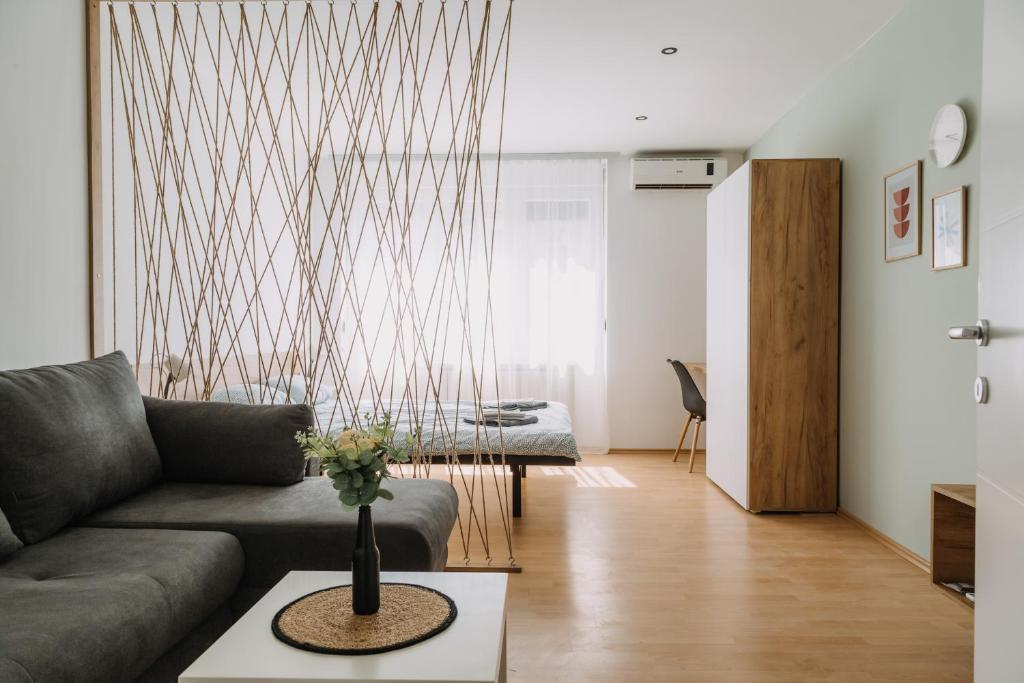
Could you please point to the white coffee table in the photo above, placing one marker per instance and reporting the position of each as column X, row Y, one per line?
column 471, row 650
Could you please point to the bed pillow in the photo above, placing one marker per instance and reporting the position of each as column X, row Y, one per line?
column 249, row 394
column 296, row 387
column 9, row 543
column 73, row 440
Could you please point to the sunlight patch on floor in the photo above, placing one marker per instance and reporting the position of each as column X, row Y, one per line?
column 591, row 477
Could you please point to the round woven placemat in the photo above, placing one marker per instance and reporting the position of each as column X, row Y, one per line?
column 324, row 622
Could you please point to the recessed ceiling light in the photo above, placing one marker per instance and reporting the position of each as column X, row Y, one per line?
column 641, row 118
column 669, row 50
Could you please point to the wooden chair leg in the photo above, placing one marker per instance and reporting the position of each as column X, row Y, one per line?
column 679, row 446
column 693, row 446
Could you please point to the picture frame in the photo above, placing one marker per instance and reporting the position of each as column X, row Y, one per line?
column 949, row 229
column 901, row 204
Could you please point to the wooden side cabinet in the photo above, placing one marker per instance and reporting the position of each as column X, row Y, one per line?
column 953, row 537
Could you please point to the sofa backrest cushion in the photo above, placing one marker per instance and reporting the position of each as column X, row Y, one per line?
column 9, row 543
column 73, row 439
column 229, row 443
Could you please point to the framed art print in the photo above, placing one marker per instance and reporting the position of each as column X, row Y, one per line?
column 949, row 229
column 902, row 202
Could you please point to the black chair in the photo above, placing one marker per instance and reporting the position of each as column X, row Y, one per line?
column 695, row 406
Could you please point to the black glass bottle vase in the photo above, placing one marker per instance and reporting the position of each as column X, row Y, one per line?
column 365, row 566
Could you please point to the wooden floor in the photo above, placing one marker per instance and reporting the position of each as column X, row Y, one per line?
column 636, row 571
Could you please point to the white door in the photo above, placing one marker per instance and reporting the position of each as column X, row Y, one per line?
column 999, row 564
column 728, row 273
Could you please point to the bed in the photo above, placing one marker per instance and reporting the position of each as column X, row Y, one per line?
column 548, row 442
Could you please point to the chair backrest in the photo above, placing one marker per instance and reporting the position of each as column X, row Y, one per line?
column 693, row 402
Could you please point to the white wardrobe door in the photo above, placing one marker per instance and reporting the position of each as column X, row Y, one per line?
column 728, row 295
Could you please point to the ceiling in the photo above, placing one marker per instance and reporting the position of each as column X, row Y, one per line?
column 582, row 70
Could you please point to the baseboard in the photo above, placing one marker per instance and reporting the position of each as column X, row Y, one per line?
column 898, row 548
column 670, row 451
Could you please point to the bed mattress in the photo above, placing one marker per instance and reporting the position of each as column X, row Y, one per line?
column 444, row 430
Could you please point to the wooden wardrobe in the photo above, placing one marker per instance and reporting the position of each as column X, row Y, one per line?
column 773, row 334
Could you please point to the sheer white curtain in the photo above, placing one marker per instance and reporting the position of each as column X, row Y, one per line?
column 548, row 288
column 546, row 292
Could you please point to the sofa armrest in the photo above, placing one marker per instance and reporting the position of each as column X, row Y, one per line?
column 228, row 443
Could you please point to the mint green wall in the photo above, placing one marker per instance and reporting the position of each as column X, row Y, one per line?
column 44, row 201
column 906, row 405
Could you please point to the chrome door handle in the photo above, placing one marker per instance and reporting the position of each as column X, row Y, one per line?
column 978, row 332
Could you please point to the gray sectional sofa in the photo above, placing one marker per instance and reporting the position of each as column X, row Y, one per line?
column 133, row 530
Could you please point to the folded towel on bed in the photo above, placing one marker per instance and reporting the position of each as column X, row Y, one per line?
column 504, row 418
column 519, row 404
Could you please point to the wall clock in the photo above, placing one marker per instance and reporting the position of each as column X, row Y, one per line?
column 949, row 131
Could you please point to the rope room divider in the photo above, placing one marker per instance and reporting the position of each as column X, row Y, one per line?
column 295, row 201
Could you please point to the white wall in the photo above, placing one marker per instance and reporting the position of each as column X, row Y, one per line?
column 44, row 297
column 656, row 304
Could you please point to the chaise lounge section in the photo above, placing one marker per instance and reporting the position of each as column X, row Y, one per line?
column 301, row 526
column 133, row 530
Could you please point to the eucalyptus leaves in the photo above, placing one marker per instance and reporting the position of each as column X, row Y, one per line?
column 356, row 460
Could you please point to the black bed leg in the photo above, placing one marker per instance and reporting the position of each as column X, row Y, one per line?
column 523, row 468
column 517, row 490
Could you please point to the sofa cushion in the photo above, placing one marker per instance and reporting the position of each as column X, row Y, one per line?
column 105, row 604
column 73, row 439
column 284, row 528
column 229, row 443
column 8, row 541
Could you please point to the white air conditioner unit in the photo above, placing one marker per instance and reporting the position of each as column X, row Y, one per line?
column 677, row 173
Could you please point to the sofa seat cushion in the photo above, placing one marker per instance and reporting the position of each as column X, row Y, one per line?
column 73, row 440
column 9, row 543
column 302, row 526
column 104, row 604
